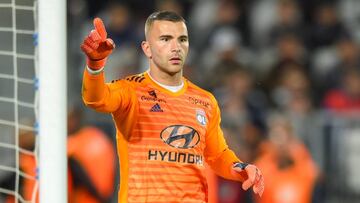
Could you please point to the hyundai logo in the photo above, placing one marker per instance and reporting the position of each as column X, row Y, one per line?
column 180, row 136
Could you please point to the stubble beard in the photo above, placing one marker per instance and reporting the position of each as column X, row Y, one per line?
column 169, row 69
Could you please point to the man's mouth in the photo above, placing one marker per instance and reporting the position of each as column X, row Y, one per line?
column 175, row 60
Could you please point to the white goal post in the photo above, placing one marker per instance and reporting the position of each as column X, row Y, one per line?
column 33, row 111
column 52, row 98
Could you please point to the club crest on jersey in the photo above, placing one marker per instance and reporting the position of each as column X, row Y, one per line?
column 200, row 116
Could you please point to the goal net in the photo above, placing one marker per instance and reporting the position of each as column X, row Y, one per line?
column 18, row 101
column 32, row 143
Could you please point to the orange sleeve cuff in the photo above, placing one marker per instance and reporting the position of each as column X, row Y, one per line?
column 93, row 87
column 222, row 166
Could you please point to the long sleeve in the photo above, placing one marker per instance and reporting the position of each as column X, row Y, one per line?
column 217, row 153
column 105, row 97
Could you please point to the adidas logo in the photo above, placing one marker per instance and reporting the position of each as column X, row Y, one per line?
column 156, row 108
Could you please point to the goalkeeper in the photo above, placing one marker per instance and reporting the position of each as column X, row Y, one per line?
column 167, row 127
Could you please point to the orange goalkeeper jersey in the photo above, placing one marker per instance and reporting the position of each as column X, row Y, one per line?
column 163, row 138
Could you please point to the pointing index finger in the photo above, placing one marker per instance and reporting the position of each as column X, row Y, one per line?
column 100, row 28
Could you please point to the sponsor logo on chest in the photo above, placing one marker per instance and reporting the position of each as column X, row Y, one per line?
column 181, row 137
column 196, row 101
column 152, row 96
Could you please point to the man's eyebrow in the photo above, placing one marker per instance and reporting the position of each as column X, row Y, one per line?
column 167, row 36
column 170, row 36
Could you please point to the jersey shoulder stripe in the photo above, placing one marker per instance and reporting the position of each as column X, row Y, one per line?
column 131, row 81
column 138, row 78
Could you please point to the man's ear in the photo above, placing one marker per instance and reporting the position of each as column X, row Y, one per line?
column 146, row 49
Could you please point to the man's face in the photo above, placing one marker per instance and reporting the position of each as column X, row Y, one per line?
column 168, row 45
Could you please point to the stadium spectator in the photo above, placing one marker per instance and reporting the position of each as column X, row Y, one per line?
column 288, row 167
column 91, row 159
column 345, row 98
column 289, row 20
column 327, row 28
column 348, row 57
column 91, row 162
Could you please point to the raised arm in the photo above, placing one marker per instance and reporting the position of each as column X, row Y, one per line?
column 96, row 94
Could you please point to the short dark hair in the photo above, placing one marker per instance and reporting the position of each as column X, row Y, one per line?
column 162, row 15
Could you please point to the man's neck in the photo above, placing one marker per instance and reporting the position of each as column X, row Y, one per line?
column 166, row 78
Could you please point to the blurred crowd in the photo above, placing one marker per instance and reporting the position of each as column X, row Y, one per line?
column 286, row 74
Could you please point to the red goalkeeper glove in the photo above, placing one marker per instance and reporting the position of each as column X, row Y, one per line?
column 254, row 177
column 97, row 46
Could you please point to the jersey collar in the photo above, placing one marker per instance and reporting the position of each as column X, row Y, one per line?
column 164, row 90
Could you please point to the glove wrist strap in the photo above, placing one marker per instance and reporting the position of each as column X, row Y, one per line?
column 94, row 72
column 96, row 64
column 240, row 165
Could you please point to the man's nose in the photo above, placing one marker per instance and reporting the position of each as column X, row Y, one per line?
column 175, row 46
